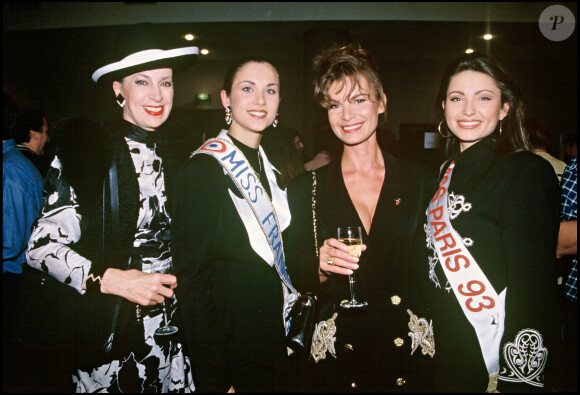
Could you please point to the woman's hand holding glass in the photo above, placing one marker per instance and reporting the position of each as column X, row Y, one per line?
column 166, row 329
column 352, row 237
column 145, row 289
column 341, row 263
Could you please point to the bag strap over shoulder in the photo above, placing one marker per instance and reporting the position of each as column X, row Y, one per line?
column 314, row 211
column 114, row 186
column 107, row 346
column 115, row 221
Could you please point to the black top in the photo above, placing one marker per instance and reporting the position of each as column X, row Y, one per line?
column 505, row 207
column 231, row 299
column 369, row 353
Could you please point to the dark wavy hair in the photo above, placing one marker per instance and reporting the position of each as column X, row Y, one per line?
column 513, row 136
column 238, row 64
column 340, row 63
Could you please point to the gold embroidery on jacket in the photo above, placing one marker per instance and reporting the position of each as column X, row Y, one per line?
column 421, row 335
column 324, row 339
column 492, row 385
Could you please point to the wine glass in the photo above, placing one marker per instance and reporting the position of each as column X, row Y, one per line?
column 166, row 329
column 352, row 237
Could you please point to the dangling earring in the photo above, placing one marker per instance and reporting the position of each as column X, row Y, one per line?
column 439, row 129
column 275, row 121
column 500, row 127
column 120, row 100
column 228, row 115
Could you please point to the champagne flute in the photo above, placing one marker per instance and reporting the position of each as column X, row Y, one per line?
column 166, row 329
column 352, row 237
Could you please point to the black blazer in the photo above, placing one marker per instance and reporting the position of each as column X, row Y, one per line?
column 231, row 299
column 367, row 357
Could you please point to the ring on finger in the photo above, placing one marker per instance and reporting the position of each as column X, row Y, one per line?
column 329, row 260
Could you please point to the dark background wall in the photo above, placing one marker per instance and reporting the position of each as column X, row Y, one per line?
column 51, row 49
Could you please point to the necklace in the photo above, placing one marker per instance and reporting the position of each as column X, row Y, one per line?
column 260, row 167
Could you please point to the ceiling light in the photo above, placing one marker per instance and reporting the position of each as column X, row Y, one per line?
column 189, row 37
column 487, row 36
column 204, row 51
column 469, row 50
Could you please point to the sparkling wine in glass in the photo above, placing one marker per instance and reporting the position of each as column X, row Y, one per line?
column 352, row 237
column 166, row 329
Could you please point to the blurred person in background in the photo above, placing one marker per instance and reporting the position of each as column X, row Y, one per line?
column 540, row 138
column 21, row 202
column 570, row 148
column 283, row 151
column 32, row 136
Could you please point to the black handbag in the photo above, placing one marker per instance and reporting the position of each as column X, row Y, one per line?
column 302, row 318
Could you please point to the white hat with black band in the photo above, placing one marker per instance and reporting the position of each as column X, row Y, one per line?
column 142, row 47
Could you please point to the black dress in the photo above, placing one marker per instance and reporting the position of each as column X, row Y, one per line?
column 505, row 208
column 373, row 348
column 232, row 299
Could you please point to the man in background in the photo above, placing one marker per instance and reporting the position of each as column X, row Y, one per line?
column 31, row 137
column 567, row 253
column 570, row 148
column 21, row 202
column 541, row 140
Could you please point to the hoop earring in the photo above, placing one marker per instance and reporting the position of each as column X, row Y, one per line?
column 439, row 129
column 120, row 100
column 228, row 115
column 275, row 121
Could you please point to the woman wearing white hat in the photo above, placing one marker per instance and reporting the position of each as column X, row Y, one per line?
column 103, row 231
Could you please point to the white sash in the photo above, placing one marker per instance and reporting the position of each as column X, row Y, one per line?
column 264, row 214
column 483, row 307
